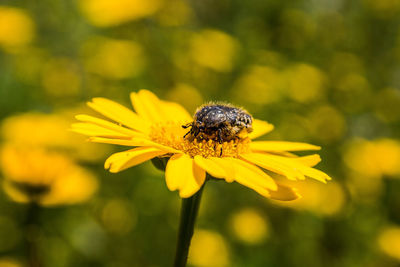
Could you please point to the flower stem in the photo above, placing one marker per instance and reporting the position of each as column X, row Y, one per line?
column 32, row 235
column 189, row 210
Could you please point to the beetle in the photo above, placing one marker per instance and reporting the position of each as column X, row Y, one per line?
column 219, row 122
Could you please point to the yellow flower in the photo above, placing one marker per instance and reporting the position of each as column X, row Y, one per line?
column 48, row 178
column 16, row 28
column 48, row 131
column 155, row 130
column 105, row 13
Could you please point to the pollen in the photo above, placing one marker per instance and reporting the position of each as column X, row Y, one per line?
column 171, row 134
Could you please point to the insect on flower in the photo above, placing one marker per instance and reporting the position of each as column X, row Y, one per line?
column 220, row 142
column 219, row 122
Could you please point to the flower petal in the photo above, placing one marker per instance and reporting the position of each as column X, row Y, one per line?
column 260, row 128
column 95, row 130
column 123, row 160
column 133, row 142
column 211, row 166
column 150, row 107
column 147, row 105
column 252, row 185
column 310, row 160
column 267, row 162
column 307, row 171
column 107, row 125
column 285, row 193
column 119, row 113
column 281, row 146
column 251, row 172
column 181, row 173
column 175, row 112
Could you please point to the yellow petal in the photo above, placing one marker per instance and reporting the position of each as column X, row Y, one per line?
column 133, row 142
column 147, row 105
column 107, row 125
column 150, row 107
column 281, row 146
column 307, row 171
column 267, row 162
column 95, row 130
column 119, row 114
column 123, row 160
column 174, row 165
column 175, row 112
column 285, row 193
column 310, row 160
column 212, row 167
column 315, row 174
column 226, row 165
column 181, row 173
column 260, row 128
column 252, row 173
column 250, row 184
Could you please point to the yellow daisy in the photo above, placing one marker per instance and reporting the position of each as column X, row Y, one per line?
column 43, row 177
column 157, row 130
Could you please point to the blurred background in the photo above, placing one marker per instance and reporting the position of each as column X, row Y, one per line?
column 324, row 72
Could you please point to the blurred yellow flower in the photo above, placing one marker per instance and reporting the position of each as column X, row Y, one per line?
column 113, row 59
column 326, row 200
column 208, row 249
column 305, row 82
column 156, row 131
column 49, row 131
column 249, row 226
column 106, row 13
column 389, row 241
column 266, row 85
column 33, row 175
column 374, row 158
column 213, row 49
column 16, row 28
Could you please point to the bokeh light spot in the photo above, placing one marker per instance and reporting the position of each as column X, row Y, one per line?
column 106, row 13
column 113, row 59
column 259, row 85
column 249, row 226
column 389, row 241
column 208, row 249
column 17, row 29
column 213, row 49
column 305, row 82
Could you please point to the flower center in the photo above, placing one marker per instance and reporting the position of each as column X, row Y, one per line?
column 171, row 134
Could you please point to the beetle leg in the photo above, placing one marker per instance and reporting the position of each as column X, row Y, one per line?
column 187, row 133
column 220, row 136
column 187, row 125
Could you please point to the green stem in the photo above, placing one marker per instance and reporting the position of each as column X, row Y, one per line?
column 189, row 210
column 32, row 234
